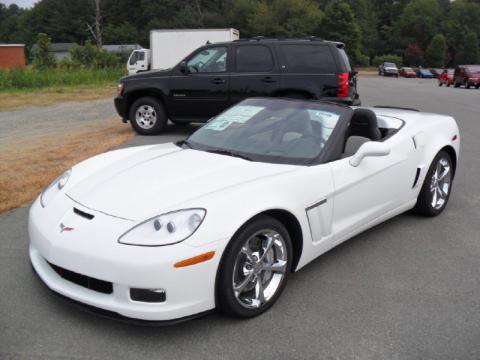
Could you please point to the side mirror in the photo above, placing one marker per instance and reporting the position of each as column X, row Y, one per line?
column 184, row 67
column 371, row 148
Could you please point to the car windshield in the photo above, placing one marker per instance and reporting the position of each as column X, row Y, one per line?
column 390, row 64
column 408, row 69
column 271, row 130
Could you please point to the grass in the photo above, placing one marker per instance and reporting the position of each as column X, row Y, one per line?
column 25, row 173
column 30, row 79
column 34, row 87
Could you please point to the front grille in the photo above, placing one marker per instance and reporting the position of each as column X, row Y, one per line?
column 101, row 286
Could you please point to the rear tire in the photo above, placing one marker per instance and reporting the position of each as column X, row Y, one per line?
column 440, row 83
column 246, row 284
column 148, row 116
column 437, row 186
column 456, row 84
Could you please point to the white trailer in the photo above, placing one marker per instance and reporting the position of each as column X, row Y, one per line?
column 169, row 47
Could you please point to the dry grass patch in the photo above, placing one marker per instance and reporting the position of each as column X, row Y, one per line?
column 27, row 167
column 48, row 96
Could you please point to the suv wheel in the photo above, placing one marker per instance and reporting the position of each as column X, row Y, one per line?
column 148, row 116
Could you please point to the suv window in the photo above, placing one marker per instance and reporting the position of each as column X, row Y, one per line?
column 346, row 61
column 309, row 58
column 209, row 60
column 253, row 58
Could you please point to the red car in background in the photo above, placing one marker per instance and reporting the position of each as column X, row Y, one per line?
column 446, row 77
column 407, row 72
column 467, row 75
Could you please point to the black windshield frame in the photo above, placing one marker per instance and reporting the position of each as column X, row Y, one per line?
column 329, row 151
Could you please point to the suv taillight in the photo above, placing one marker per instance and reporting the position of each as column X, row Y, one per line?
column 343, row 84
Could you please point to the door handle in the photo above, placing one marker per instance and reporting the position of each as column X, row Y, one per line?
column 268, row 79
column 218, row 81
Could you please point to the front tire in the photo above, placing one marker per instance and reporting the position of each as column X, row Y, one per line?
column 254, row 268
column 148, row 116
column 437, row 186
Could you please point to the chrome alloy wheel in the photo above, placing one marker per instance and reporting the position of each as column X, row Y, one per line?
column 259, row 268
column 146, row 116
column 440, row 183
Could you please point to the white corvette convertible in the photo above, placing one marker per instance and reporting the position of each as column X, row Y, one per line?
column 167, row 232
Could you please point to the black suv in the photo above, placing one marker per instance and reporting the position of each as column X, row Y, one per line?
column 216, row 76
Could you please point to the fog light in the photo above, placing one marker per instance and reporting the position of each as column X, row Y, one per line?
column 148, row 295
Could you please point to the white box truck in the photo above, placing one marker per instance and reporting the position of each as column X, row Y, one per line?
column 168, row 47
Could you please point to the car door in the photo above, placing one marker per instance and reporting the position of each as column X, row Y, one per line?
column 254, row 72
column 199, row 86
column 377, row 186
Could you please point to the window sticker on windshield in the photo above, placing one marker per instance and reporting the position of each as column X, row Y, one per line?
column 238, row 114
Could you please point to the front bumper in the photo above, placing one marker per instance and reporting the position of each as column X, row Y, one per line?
column 121, row 107
column 189, row 290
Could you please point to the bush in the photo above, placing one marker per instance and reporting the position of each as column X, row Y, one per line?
column 42, row 55
column 362, row 60
column 377, row 60
column 89, row 56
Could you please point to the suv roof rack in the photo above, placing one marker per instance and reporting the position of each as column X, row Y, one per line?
column 306, row 38
column 396, row 107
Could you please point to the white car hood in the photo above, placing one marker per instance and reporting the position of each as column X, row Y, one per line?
column 156, row 179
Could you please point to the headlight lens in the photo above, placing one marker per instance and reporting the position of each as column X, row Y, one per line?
column 54, row 188
column 166, row 229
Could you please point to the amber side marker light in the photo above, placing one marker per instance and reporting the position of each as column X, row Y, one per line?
column 195, row 260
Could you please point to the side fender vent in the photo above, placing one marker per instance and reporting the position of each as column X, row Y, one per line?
column 417, row 175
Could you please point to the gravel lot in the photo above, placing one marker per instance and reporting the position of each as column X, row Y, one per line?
column 406, row 289
column 37, row 121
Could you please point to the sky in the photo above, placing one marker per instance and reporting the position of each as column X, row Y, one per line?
column 21, row 3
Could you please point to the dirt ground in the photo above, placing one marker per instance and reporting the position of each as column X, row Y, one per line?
column 39, row 143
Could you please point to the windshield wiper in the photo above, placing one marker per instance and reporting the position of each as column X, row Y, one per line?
column 228, row 153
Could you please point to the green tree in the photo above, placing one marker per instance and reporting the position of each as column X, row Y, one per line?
column 123, row 33
column 462, row 18
column 283, row 18
column 436, row 51
column 42, row 55
column 367, row 21
column 470, row 52
column 418, row 23
column 339, row 24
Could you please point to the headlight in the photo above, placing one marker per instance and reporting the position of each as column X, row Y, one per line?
column 54, row 188
column 166, row 229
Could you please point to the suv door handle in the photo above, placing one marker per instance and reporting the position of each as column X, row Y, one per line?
column 218, row 81
column 268, row 79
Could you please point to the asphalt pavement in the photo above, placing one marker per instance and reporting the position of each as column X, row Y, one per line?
column 406, row 289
